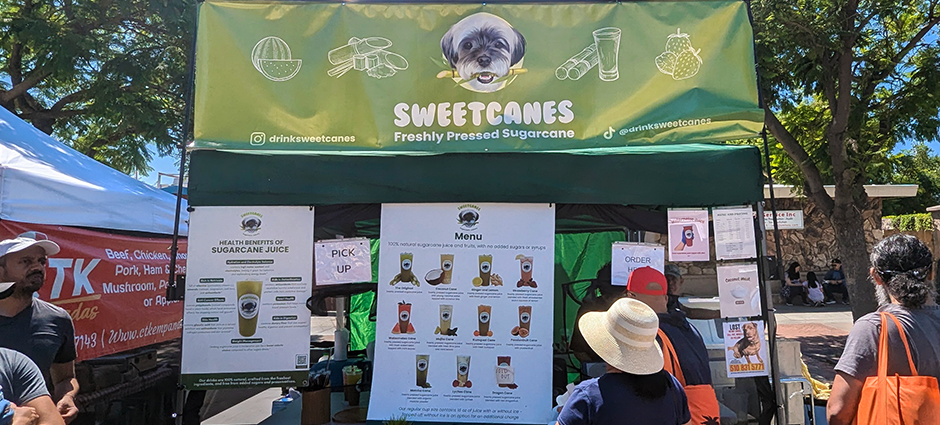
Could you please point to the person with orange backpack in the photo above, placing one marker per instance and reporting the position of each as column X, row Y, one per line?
column 684, row 352
column 888, row 372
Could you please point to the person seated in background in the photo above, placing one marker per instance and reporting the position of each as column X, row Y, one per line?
column 815, row 290
column 600, row 295
column 835, row 282
column 23, row 387
column 675, row 280
column 793, row 286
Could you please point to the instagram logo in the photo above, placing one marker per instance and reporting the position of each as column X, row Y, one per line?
column 257, row 138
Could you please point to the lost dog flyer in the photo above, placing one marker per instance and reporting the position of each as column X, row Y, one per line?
column 245, row 321
column 745, row 349
column 464, row 325
column 453, row 78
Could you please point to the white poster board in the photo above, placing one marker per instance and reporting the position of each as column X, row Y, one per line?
column 688, row 235
column 341, row 261
column 745, row 349
column 245, row 321
column 465, row 313
column 629, row 256
column 786, row 220
column 738, row 290
column 734, row 233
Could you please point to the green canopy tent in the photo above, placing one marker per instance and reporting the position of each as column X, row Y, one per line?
column 603, row 182
column 599, row 195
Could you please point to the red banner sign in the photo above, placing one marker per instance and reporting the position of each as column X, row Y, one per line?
column 113, row 286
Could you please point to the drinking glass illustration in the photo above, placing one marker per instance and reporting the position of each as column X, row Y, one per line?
column 486, row 264
column 447, row 265
column 608, row 50
column 249, row 300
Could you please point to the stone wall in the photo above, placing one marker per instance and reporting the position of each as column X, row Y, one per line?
column 815, row 245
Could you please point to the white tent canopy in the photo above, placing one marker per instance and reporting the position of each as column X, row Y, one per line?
column 43, row 181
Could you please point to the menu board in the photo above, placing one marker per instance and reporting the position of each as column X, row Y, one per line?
column 245, row 320
column 466, row 298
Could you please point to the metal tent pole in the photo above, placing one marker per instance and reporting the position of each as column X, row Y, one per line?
column 174, row 248
column 769, row 312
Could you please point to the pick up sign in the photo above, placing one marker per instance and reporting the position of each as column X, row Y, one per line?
column 341, row 261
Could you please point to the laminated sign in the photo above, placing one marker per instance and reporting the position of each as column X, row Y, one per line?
column 745, row 349
column 315, row 76
column 465, row 295
column 246, row 323
column 343, row 261
column 628, row 256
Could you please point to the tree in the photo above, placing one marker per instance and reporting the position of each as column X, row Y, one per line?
column 104, row 76
column 919, row 166
column 851, row 78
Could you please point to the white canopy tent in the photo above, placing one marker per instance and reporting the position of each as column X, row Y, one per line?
column 43, row 181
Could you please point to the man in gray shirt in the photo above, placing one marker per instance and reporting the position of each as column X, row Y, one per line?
column 22, row 384
column 902, row 268
column 38, row 329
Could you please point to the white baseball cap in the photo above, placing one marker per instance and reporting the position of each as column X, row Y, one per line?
column 21, row 242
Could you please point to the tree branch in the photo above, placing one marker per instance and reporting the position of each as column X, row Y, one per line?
column 50, row 114
column 19, row 89
column 813, row 179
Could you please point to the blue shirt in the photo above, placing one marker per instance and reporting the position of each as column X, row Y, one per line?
column 833, row 274
column 610, row 400
column 690, row 348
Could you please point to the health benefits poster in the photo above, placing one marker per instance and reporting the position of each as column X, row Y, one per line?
column 245, row 320
column 688, row 235
column 745, row 349
column 465, row 313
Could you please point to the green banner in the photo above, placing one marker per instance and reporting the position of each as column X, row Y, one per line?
column 472, row 77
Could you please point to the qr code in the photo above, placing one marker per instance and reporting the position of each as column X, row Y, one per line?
column 300, row 361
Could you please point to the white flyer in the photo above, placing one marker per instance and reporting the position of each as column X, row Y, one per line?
column 739, row 290
column 746, row 349
column 688, row 235
column 734, row 233
column 466, row 298
column 245, row 321
column 341, row 261
column 629, row 256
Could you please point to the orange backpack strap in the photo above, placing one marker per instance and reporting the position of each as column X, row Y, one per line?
column 907, row 347
column 670, row 358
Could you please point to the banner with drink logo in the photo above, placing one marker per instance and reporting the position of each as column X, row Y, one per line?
column 245, row 322
column 745, row 349
column 490, row 77
column 99, row 277
column 466, row 296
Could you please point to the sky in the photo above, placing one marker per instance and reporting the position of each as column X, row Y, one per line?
column 162, row 164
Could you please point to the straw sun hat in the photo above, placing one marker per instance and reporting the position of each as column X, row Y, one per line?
column 625, row 336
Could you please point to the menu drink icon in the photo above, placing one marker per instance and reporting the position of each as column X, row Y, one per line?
column 249, row 301
column 486, row 266
column 607, row 41
column 447, row 265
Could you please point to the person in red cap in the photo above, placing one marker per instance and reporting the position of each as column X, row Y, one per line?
column 685, row 354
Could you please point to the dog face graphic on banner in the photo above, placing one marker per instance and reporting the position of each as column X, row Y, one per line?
column 484, row 51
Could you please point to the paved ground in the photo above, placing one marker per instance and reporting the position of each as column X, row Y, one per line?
column 821, row 332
